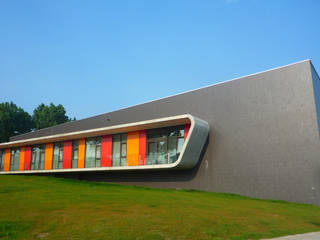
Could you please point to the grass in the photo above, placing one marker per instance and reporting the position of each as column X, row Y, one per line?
column 34, row 207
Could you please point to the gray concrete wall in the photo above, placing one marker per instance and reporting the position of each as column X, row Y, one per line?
column 263, row 141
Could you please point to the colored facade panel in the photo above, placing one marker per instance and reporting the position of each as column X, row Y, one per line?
column 27, row 158
column 7, row 154
column 67, row 154
column 82, row 150
column 133, row 149
column 142, row 147
column 186, row 130
column 106, row 151
column 48, row 156
column 21, row 161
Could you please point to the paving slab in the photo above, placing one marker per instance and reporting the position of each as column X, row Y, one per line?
column 305, row 236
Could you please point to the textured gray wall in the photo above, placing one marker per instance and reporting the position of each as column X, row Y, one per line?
column 263, row 142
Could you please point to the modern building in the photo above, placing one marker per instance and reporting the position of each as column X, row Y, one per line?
column 257, row 136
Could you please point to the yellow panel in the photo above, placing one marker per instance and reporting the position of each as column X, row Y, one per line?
column 7, row 154
column 48, row 154
column 21, row 161
column 133, row 149
column 81, row 152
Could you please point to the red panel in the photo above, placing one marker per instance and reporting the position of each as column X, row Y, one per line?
column 186, row 130
column 67, row 154
column 106, row 150
column 142, row 147
column 27, row 158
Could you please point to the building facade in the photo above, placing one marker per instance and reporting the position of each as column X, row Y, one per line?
column 257, row 136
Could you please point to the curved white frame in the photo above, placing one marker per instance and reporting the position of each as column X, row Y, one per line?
column 189, row 156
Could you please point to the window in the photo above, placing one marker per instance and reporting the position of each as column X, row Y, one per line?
column 93, row 152
column 119, row 150
column 164, row 145
column 1, row 160
column 57, row 155
column 75, row 154
column 14, row 159
column 37, row 157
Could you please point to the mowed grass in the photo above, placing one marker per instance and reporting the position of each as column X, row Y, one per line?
column 35, row 207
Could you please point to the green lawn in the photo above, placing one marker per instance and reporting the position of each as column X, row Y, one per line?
column 33, row 207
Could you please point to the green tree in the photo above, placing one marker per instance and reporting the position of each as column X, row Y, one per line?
column 47, row 116
column 13, row 121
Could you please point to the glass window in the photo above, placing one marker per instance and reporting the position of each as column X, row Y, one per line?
column 98, row 152
column 14, row 159
column 116, row 142
column 37, row 157
column 1, row 160
column 75, row 154
column 123, row 149
column 42, row 154
column 57, row 155
column 119, row 150
column 164, row 145
column 93, row 152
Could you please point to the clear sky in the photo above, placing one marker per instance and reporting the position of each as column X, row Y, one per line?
column 98, row 56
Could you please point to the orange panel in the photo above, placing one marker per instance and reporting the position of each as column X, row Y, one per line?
column 48, row 154
column 21, row 161
column 133, row 149
column 7, row 155
column 81, row 152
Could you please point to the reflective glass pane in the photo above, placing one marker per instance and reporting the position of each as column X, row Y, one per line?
column 60, row 155
column 151, row 159
column 181, row 133
column 162, row 152
column 98, row 152
column 90, row 153
column 163, row 144
column 37, row 158
column 172, row 148
column 116, row 150
column 123, row 149
column 75, row 152
column 179, row 146
column 16, row 158
column 55, row 158
column 42, row 154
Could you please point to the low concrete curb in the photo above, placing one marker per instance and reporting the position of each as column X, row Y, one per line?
column 306, row 236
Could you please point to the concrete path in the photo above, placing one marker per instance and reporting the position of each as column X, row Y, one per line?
column 306, row 236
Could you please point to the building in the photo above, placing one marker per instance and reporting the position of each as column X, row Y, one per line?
column 257, row 136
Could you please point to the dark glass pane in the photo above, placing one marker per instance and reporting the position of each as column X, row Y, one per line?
column 2, row 160
column 124, row 137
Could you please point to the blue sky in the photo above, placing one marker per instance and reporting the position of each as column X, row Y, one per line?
column 98, row 56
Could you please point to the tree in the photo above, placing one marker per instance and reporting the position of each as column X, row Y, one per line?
column 47, row 116
column 13, row 121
